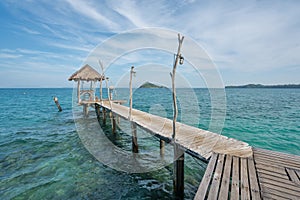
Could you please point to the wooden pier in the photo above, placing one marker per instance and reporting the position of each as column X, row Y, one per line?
column 235, row 169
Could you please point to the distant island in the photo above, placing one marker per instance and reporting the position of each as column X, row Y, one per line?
column 151, row 85
column 265, row 86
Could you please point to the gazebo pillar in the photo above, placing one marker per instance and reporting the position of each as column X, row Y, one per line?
column 78, row 91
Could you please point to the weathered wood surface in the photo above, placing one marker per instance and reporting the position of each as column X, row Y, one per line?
column 278, row 174
column 199, row 141
column 235, row 170
column 224, row 171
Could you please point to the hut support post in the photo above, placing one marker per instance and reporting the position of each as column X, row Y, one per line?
column 135, row 147
column 178, row 172
column 78, row 91
column 101, row 90
column 102, row 78
column 178, row 179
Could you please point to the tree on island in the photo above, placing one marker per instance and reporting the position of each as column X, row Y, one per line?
column 150, row 85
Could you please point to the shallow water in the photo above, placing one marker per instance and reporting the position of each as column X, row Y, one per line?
column 42, row 156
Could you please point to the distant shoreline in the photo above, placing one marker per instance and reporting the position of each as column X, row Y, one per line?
column 147, row 85
column 264, row 86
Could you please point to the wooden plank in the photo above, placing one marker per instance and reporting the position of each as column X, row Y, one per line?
column 298, row 173
column 277, row 194
column 235, row 183
column 224, row 191
column 215, row 185
column 287, row 182
column 245, row 193
column 269, row 188
column 272, row 168
column 293, row 176
column 281, row 176
column 278, row 158
column 281, row 186
column 254, row 188
column 276, row 154
column 274, row 161
column 269, row 193
column 202, row 190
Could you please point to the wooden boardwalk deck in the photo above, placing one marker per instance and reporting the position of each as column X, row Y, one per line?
column 235, row 170
column 265, row 175
column 198, row 141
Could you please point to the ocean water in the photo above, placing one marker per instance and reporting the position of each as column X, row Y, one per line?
column 43, row 157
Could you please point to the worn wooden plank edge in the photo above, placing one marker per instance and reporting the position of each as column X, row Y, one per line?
column 203, row 187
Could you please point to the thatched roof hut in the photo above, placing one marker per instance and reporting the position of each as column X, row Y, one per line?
column 83, row 75
column 86, row 73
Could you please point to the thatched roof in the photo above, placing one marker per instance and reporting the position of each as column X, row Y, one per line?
column 86, row 73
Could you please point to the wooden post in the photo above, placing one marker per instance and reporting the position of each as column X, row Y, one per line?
column 104, row 115
column 102, row 68
column 57, row 104
column 85, row 109
column 113, row 123
column 178, row 56
column 130, row 92
column 97, row 109
column 78, row 91
column 178, row 172
column 101, row 90
column 111, row 89
column 178, row 176
column 135, row 147
column 162, row 148
column 109, row 99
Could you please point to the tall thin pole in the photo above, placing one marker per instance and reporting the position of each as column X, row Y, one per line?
column 78, row 91
column 101, row 89
column 102, row 78
column 130, row 91
column 178, row 172
column 178, row 55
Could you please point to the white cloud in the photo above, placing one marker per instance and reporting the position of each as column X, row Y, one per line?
column 87, row 9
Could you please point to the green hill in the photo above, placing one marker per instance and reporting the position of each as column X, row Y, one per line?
column 150, row 85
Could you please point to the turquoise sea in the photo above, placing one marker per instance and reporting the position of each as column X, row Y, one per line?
column 42, row 156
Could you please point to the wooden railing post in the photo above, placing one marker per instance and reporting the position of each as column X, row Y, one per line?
column 130, row 92
column 178, row 176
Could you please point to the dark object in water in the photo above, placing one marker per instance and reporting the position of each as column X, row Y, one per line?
column 57, row 104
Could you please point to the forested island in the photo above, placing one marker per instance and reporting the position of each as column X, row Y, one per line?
column 265, row 86
column 150, row 85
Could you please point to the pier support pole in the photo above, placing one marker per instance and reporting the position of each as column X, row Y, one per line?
column 162, row 148
column 85, row 109
column 135, row 147
column 97, row 109
column 113, row 123
column 104, row 115
column 178, row 181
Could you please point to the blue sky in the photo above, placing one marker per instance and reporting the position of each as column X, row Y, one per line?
column 44, row 42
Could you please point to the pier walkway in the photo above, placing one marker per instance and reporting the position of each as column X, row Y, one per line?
column 235, row 169
column 198, row 141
